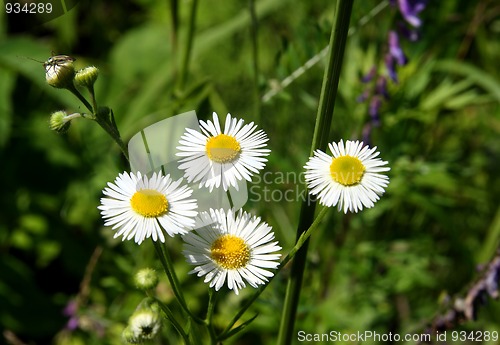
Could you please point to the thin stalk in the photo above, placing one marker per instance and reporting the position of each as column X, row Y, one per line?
column 212, row 298
column 113, row 132
column 168, row 267
column 298, row 245
column 294, row 285
column 174, row 16
column 254, row 27
column 82, row 99
column 108, row 125
column 74, row 116
column 92, row 97
column 171, row 318
column 188, row 46
column 324, row 116
column 230, row 199
column 148, row 151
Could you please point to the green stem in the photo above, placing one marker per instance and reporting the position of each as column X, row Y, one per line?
column 295, row 280
column 82, row 99
column 188, row 47
column 298, row 245
column 168, row 267
column 324, row 116
column 75, row 116
column 230, row 199
column 171, row 318
column 255, row 59
column 92, row 97
column 174, row 16
column 110, row 127
column 108, row 124
column 212, row 297
column 148, row 151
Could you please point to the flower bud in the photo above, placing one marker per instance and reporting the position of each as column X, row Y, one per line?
column 129, row 336
column 144, row 324
column 58, row 121
column 146, row 279
column 60, row 71
column 86, row 77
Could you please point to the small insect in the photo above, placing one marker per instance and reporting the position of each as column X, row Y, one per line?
column 59, row 70
column 54, row 62
column 57, row 61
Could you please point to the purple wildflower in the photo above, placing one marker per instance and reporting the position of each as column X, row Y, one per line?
column 374, row 110
column 70, row 310
column 411, row 35
column 410, row 9
column 381, row 87
column 364, row 96
column 395, row 49
column 390, row 64
column 72, row 323
column 370, row 75
column 76, row 316
column 367, row 131
column 492, row 279
column 376, row 91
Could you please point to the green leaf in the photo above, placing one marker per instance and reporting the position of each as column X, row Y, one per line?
column 474, row 74
column 239, row 328
column 221, row 33
column 443, row 92
column 142, row 68
column 466, row 99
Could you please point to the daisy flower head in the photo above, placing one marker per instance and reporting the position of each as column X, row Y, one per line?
column 352, row 178
column 141, row 207
column 222, row 158
column 231, row 246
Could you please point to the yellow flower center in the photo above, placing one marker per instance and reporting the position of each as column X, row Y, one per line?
column 347, row 170
column 230, row 252
column 149, row 203
column 223, row 148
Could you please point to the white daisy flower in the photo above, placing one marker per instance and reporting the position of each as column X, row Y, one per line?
column 351, row 178
column 141, row 207
column 231, row 246
column 214, row 158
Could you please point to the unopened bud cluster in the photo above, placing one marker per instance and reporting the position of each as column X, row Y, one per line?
column 60, row 73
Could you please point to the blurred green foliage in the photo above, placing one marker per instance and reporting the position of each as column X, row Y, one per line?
column 384, row 269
